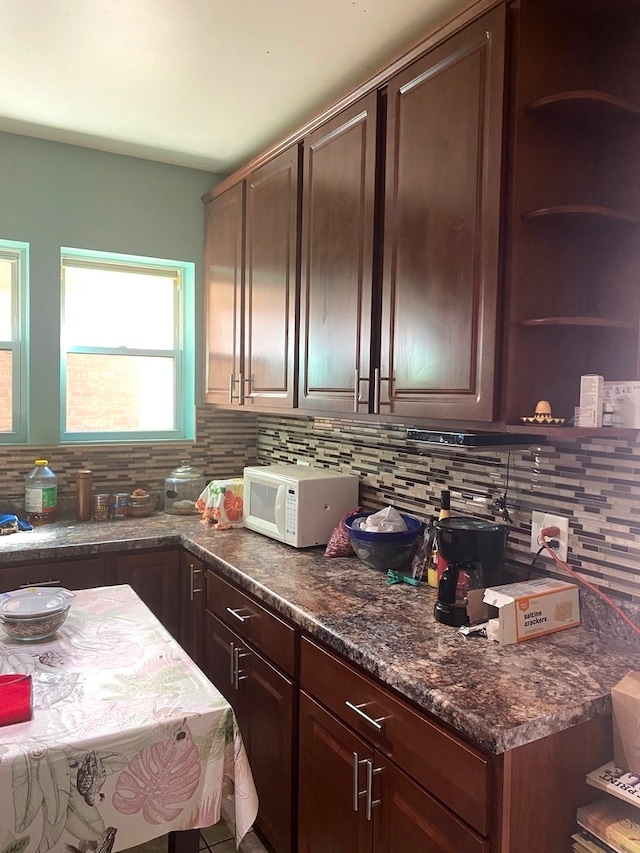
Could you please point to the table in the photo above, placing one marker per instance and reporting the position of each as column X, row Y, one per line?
column 128, row 741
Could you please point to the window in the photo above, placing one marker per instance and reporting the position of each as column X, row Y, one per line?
column 13, row 323
column 127, row 348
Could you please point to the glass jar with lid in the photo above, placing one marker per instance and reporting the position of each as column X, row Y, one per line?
column 182, row 488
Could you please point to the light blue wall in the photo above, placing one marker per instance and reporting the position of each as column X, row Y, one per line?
column 54, row 195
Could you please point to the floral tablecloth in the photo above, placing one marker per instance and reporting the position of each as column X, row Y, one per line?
column 128, row 739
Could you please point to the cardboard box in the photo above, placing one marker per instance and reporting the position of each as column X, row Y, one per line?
column 625, row 397
column 589, row 412
column 532, row 609
column 625, row 703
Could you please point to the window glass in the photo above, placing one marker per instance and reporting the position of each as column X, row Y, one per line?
column 125, row 363
column 13, row 273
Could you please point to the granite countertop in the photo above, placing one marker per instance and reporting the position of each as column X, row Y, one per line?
column 498, row 697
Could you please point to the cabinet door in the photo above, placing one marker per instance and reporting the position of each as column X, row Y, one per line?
column 71, row 574
column 224, row 256
column 271, row 270
column 192, row 573
column 442, row 216
column 407, row 818
column 337, row 261
column 331, row 778
column 263, row 700
column 155, row 578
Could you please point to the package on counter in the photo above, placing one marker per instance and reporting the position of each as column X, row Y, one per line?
column 221, row 503
column 532, row 609
column 625, row 705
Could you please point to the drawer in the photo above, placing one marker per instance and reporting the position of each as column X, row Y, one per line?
column 72, row 574
column 254, row 623
column 457, row 774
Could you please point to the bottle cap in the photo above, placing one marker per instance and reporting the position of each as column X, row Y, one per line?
column 41, row 462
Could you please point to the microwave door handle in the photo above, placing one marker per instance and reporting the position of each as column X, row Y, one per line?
column 280, row 508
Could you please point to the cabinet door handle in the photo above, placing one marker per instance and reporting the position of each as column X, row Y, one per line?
column 239, row 615
column 356, row 778
column 52, row 582
column 241, row 390
column 356, row 391
column 377, row 379
column 231, row 384
column 194, row 572
column 377, row 724
column 238, row 677
column 370, row 802
column 232, row 661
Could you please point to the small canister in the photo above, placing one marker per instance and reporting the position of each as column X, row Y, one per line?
column 83, row 494
column 101, row 507
column 120, row 505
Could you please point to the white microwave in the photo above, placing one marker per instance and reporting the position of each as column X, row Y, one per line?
column 297, row 504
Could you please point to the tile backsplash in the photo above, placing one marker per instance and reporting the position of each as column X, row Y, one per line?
column 594, row 482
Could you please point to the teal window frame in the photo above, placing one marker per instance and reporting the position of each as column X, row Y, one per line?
column 183, row 351
column 18, row 345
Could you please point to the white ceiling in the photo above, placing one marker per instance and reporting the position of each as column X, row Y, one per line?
column 200, row 83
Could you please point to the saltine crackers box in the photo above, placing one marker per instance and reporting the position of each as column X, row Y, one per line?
column 532, row 609
column 625, row 707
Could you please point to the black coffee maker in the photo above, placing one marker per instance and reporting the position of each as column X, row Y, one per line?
column 474, row 551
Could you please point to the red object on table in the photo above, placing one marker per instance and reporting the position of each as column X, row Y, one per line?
column 15, row 699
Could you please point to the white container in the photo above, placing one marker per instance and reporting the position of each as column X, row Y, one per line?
column 41, row 493
column 591, row 399
column 625, row 398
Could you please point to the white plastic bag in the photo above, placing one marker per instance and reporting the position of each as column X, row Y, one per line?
column 387, row 520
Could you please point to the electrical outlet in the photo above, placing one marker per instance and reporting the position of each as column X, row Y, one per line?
column 540, row 520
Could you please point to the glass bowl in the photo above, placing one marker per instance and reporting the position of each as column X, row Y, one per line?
column 34, row 613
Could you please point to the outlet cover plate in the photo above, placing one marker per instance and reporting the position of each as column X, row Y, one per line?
column 540, row 520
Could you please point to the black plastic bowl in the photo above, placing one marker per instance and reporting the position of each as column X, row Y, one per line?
column 385, row 550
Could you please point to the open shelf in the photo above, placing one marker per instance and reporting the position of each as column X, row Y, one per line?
column 564, row 433
column 582, row 213
column 583, row 322
column 585, row 105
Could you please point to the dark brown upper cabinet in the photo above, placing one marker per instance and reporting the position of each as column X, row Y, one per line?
column 251, row 287
column 574, row 208
column 442, row 225
column 337, row 261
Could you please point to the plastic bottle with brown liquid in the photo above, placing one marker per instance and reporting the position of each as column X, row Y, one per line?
column 41, row 493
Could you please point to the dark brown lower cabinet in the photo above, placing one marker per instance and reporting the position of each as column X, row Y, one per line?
column 353, row 799
column 264, row 702
column 154, row 576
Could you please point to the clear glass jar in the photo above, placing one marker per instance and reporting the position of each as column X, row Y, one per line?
column 182, row 488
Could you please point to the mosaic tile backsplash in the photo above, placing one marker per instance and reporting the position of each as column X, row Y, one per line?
column 595, row 483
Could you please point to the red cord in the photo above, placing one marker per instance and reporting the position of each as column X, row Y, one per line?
column 551, row 533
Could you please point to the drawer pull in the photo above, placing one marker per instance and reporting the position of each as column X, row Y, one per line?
column 239, row 615
column 370, row 802
column 377, row 724
column 356, row 775
column 194, row 572
column 40, row 583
